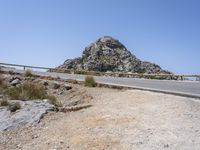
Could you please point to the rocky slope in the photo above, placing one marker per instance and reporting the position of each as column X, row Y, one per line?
column 108, row 54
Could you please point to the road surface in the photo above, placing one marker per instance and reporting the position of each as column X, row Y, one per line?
column 182, row 88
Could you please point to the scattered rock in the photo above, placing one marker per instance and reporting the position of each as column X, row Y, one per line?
column 44, row 82
column 34, row 136
column 31, row 112
column 30, row 78
column 67, row 87
column 166, row 145
column 14, row 78
column 55, row 85
column 15, row 82
column 61, row 93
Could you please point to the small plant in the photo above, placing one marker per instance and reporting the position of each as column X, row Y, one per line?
column 14, row 92
column 52, row 100
column 11, row 72
column 73, row 81
column 28, row 73
column 90, row 81
column 1, row 80
column 3, row 85
column 14, row 107
column 80, row 72
column 4, row 102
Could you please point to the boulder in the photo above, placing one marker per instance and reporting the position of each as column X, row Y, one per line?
column 55, row 85
column 15, row 82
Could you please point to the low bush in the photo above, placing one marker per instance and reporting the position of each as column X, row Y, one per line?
column 27, row 91
column 90, row 81
column 67, row 71
column 80, row 72
column 4, row 102
column 28, row 73
column 3, row 85
column 14, row 107
column 31, row 91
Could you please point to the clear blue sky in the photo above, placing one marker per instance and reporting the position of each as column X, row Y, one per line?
column 46, row 32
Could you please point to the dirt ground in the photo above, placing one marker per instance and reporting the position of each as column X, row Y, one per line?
column 118, row 119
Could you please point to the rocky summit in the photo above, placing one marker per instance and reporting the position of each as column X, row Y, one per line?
column 108, row 54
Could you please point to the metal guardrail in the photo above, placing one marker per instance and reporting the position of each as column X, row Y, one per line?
column 114, row 74
column 24, row 66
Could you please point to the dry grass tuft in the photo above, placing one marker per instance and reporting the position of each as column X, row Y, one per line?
column 4, row 102
column 90, row 81
column 31, row 91
column 14, row 107
column 28, row 73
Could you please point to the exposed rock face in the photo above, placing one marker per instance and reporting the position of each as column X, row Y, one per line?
column 108, row 54
column 30, row 113
column 72, row 64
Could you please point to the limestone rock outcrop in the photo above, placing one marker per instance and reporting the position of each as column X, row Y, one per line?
column 108, row 54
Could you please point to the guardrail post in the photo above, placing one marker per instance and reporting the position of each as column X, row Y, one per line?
column 181, row 78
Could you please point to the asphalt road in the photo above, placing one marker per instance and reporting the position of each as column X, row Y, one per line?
column 183, row 88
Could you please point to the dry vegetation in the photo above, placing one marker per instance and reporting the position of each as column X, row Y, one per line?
column 14, row 107
column 4, row 102
column 90, row 81
column 2, row 84
column 11, row 106
column 27, row 91
column 28, row 73
column 30, row 91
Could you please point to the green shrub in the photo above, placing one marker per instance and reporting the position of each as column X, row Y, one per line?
column 4, row 102
column 28, row 73
column 14, row 107
column 90, row 81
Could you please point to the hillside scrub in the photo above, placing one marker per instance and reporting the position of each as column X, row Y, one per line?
column 4, row 102
column 30, row 91
column 27, row 91
column 3, row 85
column 28, row 73
column 90, row 81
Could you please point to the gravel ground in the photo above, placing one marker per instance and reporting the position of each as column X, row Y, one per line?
column 118, row 119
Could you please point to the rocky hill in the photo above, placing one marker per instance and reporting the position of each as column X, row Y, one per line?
column 108, row 54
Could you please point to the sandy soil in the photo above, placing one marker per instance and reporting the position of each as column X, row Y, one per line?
column 118, row 119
